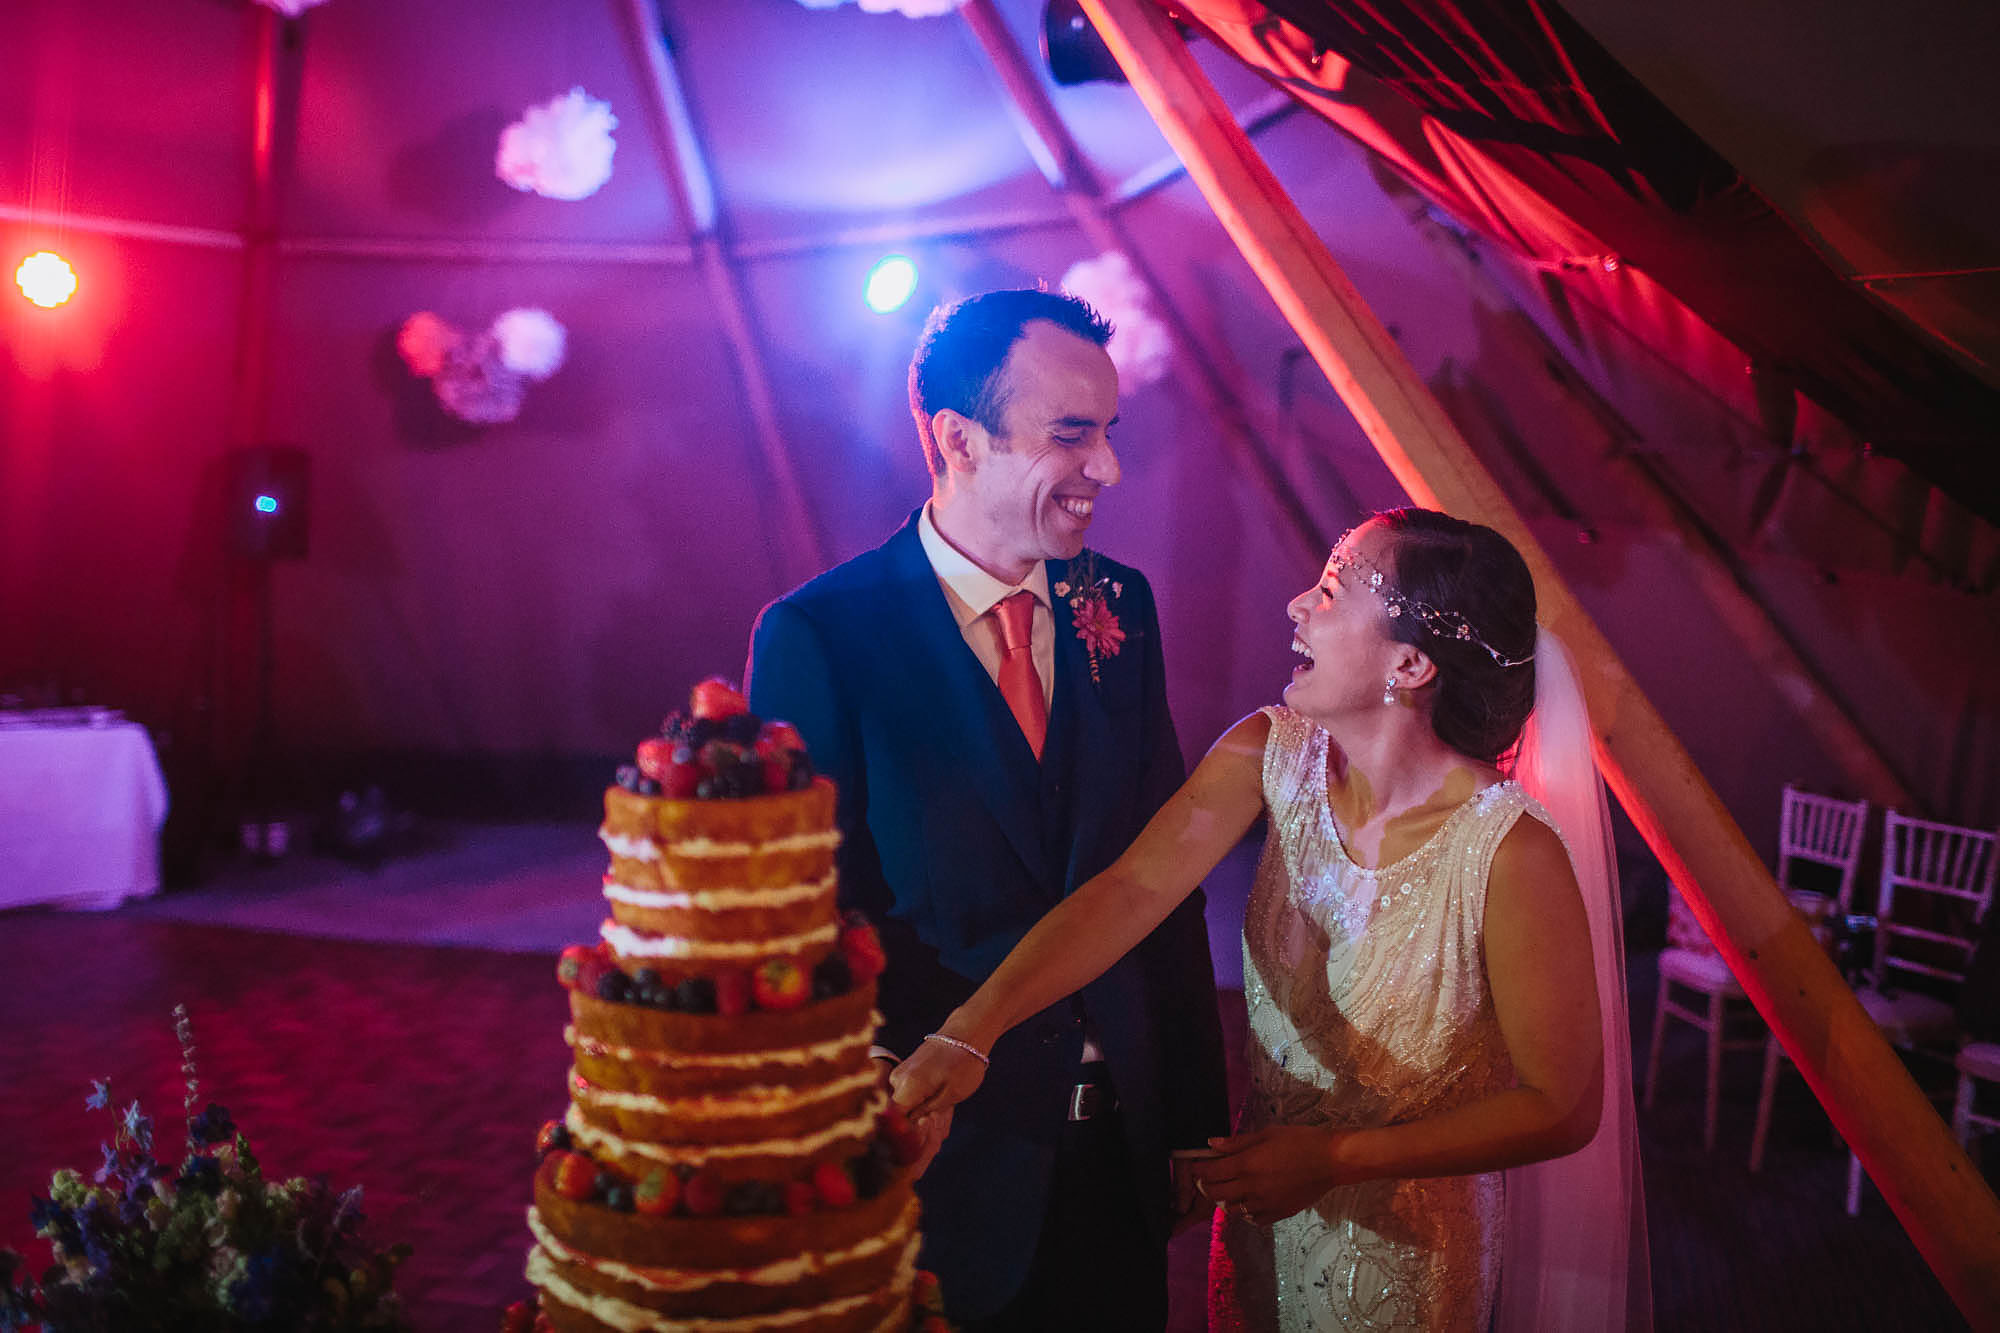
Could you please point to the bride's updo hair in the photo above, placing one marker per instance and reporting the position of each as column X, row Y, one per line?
column 1478, row 706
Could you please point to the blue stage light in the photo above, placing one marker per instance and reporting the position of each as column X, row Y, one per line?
column 890, row 283
column 266, row 504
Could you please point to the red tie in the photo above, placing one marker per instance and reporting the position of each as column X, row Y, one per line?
column 1020, row 686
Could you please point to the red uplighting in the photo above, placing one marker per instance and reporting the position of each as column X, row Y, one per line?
column 46, row 279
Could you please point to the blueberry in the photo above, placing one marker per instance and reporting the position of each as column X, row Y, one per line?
column 647, row 787
column 646, row 978
column 628, row 776
column 752, row 1197
column 684, row 754
column 559, row 1137
column 618, row 1197
column 742, row 728
column 705, row 790
column 615, row 987
column 697, row 995
column 832, row 977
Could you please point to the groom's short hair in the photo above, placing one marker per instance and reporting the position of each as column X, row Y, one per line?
column 965, row 344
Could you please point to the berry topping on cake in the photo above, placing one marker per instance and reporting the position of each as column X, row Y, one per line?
column 833, row 1185
column 519, row 1318
column 570, row 966
column 656, row 1195
column 575, row 1175
column 862, row 948
column 704, row 1194
column 696, row 995
column 800, row 1197
column 734, row 992
column 905, row 1140
column 715, row 700
column 781, row 984
column 554, row 1136
column 656, row 755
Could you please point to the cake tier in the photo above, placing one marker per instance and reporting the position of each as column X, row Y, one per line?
column 840, row 1270
column 756, row 1096
column 758, row 842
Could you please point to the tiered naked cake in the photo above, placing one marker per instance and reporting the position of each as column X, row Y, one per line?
column 730, row 1162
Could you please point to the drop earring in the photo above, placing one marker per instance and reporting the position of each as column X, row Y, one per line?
column 1389, row 692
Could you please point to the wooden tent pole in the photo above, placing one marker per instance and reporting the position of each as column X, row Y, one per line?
column 687, row 173
column 1068, row 172
column 1935, row 1191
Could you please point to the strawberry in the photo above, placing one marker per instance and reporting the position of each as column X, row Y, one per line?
column 704, row 1194
column 656, row 756
column 781, row 984
column 657, row 1194
column 716, row 699
column 590, row 972
column 543, row 1324
column 906, row 1142
column 779, row 738
column 575, row 1175
column 569, row 967
column 734, row 992
column 682, row 776
column 833, row 1185
column 928, row 1292
column 800, row 1197
column 519, row 1318
column 777, row 773
column 862, row 948
column 934, row 1323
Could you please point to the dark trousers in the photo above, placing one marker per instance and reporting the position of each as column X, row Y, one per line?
column 1097, row 1267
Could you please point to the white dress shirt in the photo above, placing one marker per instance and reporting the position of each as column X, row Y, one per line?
column 972, row 592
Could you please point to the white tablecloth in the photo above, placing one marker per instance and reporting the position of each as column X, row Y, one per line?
column 80, row 815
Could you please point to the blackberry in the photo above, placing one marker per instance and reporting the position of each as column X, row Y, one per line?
column 832, row 977
column 703, row 730
column 615, row 987
column 750, row 1198
column 678, row 726
column 742, row 728
column 628, row 776
column 871, row 1175
column 697, row 995
column 559, row 1137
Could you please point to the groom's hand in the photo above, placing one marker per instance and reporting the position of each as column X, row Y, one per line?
column 1190, row 1207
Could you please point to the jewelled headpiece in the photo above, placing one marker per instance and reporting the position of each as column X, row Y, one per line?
column 1445, row 624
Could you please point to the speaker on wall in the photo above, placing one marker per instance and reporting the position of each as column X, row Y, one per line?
column 269, row 488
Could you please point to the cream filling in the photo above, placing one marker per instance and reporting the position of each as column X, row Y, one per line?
column 795, row 842
column 719, row 900
column 631, row 944
column 777, row 1273
column 794, row 1056
column 629, row 1318
column 760, row 1100
column 589, row 1136
column 632, row 849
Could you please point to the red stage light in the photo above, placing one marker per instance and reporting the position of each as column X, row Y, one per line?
column 46, row 279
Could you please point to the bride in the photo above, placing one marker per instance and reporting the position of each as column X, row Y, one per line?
column 1439, row 1132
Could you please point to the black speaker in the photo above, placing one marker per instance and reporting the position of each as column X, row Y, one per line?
column 266, row 503
column 1071, row 46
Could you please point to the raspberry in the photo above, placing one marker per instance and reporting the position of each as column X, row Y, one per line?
column 716, row 699
column 554, row 1136
column 575, row 1175
column 779, row 738
column 657, row 1194
column 833, row 1185
column 733, row 992
column 780, row 984
column 862, row 948
column 704, row 1194
column 682, row 777
column 519, row 1318
column 800, row 1197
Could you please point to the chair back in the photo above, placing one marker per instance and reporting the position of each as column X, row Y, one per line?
column 1937, row 882
column 1822, row 830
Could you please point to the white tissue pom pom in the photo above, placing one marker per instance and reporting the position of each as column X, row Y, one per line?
column 561, row 149
column 1140, row 346
column 291, row 9
column 423, row 341
column 531, row 342
column 915, row 9
column 474, row 385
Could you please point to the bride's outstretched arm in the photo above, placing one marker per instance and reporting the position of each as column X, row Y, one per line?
column 1096, row 925
column 1540, row 970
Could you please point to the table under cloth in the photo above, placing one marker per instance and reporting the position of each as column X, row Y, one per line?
column 81, row 807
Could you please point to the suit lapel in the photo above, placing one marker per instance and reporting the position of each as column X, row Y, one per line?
column 972, row 725
column 1079, row 707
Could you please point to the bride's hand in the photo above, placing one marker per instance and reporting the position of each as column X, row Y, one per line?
column 934, row 1078
column 1273, row 1172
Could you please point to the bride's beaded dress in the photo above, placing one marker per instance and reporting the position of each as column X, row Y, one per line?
column 1368, row 1005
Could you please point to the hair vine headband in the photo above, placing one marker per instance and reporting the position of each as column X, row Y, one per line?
column 1443, row 623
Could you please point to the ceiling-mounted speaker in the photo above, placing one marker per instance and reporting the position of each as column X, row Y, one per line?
column 1072, row 47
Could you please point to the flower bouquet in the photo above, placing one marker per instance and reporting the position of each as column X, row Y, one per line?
column 209, row 1244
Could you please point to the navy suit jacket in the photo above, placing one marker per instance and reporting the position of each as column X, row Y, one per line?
column 957, row 841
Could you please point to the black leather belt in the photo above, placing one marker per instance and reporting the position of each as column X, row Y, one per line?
column 1093, row 1095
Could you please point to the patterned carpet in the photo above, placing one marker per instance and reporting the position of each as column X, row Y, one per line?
column 422, row 1072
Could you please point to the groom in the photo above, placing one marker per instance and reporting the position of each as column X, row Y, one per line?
column 992, row 702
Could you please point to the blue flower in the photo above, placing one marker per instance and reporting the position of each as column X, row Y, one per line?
column 100, row 1095
column 211, row 1126
column 44, row 1213
column 250, row 1295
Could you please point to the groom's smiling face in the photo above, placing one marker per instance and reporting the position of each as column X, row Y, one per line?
column 1034, row 485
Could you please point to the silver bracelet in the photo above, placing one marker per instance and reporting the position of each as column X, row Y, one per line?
column 965, row 1046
